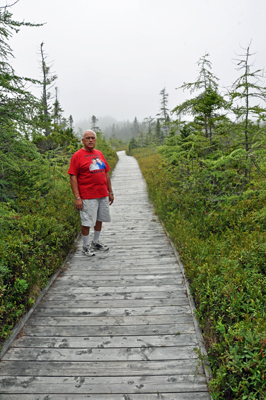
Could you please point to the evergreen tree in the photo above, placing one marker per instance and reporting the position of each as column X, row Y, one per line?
column 135, row 128
column 57, row 111
column 18, row 108
column 17, row 105
column 164, row 113
column 248, row 129
column 94, row 122
column 149, row 121
column 71, row 122
column 208, row 107
column 246, row 88
column 47, row 82
column 159, row 135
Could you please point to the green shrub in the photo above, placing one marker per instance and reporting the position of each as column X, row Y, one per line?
column 34, row 242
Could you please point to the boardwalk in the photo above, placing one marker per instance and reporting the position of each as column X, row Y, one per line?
column 117, row 326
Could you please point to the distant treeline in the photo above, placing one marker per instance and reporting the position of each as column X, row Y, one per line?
column 114, row 130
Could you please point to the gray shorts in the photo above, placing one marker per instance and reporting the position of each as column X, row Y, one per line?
column 95, row 210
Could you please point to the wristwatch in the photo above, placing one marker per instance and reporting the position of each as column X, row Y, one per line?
column 77, row 198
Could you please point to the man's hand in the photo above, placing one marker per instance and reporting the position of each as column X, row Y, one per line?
column 111, row 198
column 109, row 187
column 78, row 204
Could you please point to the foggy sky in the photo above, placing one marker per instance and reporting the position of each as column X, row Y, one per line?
column 112, row 58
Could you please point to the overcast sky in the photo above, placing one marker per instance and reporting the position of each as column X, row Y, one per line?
column 113, row 57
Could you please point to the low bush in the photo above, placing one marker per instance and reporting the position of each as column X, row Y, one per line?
column 35, row 239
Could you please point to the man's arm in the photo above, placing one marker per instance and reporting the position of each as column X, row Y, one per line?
column 109, row 187
column 75, row 190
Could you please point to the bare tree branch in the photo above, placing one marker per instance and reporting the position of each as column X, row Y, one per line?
column 10, row 5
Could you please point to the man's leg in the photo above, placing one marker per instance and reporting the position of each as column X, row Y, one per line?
column 96, row 245
column 97, row 231
column 103, row 215
column 85, row 230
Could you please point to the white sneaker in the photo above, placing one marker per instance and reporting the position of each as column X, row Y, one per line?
column 88, row 251
column 99, row 246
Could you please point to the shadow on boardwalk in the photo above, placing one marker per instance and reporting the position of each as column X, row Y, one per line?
column 117, row 326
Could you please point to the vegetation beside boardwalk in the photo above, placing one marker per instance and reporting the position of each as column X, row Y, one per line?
column 223, row 248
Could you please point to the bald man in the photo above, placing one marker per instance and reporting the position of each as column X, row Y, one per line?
column 91, row 186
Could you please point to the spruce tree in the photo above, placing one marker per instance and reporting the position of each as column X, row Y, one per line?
column 48, row 80
column 247, row 97
column 18, row 108
column 208, row 107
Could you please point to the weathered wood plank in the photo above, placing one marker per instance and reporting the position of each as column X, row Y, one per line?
column 120, row 289
column 86, row 281
column 106, row 354
column 107, row 321
column 103, row 368
column 123, row 279
column 114, row 330
column 117, row 396
column 110, row 311
column 124, row 266
column 143, row 384
column 107, row 341
column 123, row 295
column 177, row 301
column 141, row 270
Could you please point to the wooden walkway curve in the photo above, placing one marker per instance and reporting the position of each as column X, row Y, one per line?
column 117, row 326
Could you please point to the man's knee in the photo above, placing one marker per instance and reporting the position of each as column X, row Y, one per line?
column 85, row 230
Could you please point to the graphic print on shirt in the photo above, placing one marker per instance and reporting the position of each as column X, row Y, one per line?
column 96, row 163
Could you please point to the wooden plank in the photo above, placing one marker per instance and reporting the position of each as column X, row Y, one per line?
column 107, row 341
column 114, row 330
column 124, row 266
column 123, row 295
column 110, row 311
column 143, row 384
column 106, row 354
column 119, row 289
column 140, row 270
column 106, row 321
column 87, row 281
column 103, row 368
column 124, row 278
column 132, row 257
column 79, row 259
column 72, row 303
column 109, row 396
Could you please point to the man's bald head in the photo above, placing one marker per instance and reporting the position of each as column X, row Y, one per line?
column 89, row 132
column 89, row 140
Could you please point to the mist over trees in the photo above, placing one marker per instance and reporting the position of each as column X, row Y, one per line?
column 150, row 130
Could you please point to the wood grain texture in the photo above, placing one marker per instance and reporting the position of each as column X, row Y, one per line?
column 117, row 326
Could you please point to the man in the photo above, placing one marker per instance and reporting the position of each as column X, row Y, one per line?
column 92, row 189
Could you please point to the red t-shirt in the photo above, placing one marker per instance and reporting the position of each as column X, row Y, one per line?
column 90, row 167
